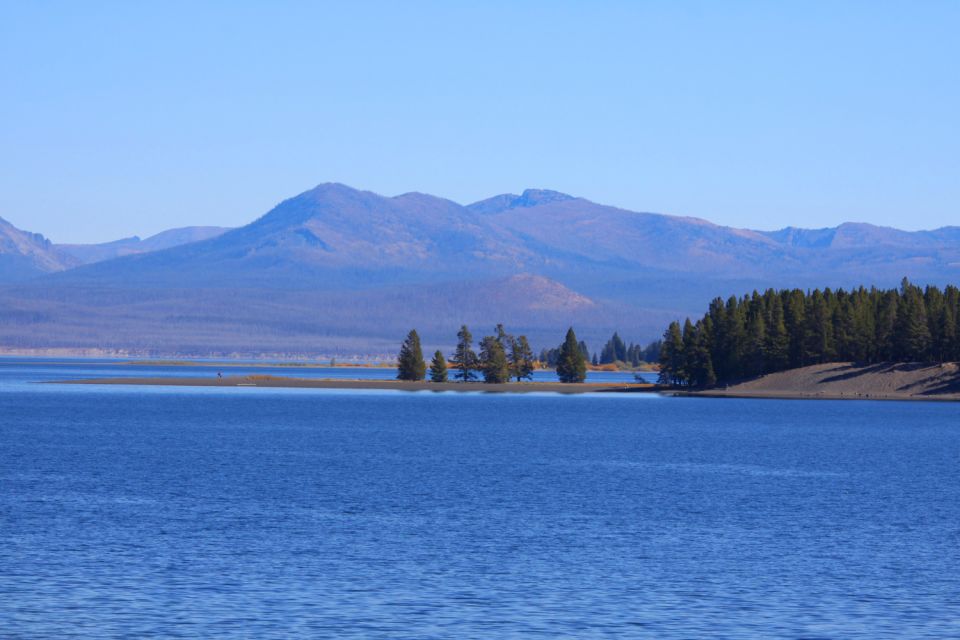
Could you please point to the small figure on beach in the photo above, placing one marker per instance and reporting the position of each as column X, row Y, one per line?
column 219, row 376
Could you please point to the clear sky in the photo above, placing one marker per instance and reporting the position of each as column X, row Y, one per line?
column 132, row 117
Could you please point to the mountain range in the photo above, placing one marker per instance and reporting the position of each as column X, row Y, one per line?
column 338, row 270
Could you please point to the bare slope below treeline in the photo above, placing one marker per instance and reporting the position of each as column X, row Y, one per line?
column 845, row 380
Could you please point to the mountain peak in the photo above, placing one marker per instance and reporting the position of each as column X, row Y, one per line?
column 24, row 254
column 533, row 197
column 529, row 198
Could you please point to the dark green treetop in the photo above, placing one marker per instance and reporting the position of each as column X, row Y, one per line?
column 521, row 359
column 671, row 356
column 493, row 361
column 410, row 364
column 464, row 358
column 438, row 367
column 572, row 364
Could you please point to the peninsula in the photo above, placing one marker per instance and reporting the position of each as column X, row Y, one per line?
column 388, row 385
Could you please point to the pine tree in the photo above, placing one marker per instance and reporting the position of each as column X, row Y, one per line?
column 652, row 352
column 671, row 357
column 777, row 348
column 493, row 361
column 818, row 337
column 689, row 364
column 438, row 367
column 912, row 333
column 521, row 359
column 619, row 347
column 755, row 354
column 572, row 365
column 504, row 338
column 886, row 326
column 410, row 364
column 464, row 358
column 607, row 354
column 584, row 350
column 702, row 374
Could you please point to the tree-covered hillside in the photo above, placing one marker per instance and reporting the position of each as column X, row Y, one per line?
column 777, row 330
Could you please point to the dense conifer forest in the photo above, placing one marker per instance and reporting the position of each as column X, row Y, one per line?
column 777, row 330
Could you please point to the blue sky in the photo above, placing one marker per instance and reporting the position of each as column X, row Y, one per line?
column 129, row 118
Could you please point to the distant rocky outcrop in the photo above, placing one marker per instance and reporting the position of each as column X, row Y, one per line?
column 25, row 255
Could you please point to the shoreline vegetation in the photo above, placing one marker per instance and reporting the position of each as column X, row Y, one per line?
column 502, row 358
column 777, row 332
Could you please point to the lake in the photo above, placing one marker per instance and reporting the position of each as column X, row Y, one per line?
column 246, row 512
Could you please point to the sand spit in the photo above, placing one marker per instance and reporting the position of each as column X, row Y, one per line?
column 849, row 381
column 393, row 385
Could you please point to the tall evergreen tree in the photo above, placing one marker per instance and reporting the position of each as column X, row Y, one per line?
column 777, row 348
column 818, row 337
column 671, row 357
column 410, row 364
column 584, row 351
column 794, row 313
column 912, row 333
column 755, row 352
column 652, row 352
column 504, row 338
column 438, row 367
column 464, row 358
column 615, row 349
column 572, row 364
column 493, row 361
column 521, row 359
column 701, row 373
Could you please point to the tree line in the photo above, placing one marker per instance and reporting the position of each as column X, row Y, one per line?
column 502, row 357
column 784, row 329
column 615, row 351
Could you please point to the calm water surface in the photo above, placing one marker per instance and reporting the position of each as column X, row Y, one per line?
column 275, row 513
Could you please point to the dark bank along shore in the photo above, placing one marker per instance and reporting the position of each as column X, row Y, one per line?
column 395, row 385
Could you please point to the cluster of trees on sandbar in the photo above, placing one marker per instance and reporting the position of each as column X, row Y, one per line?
column 502, row 357
column 784, row 329
column 615, row 351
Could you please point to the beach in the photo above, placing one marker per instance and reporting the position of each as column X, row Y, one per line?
column 849, row 381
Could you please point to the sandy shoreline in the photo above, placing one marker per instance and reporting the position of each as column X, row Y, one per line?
column 800, row 395
column 849, row 381
column 389, row 385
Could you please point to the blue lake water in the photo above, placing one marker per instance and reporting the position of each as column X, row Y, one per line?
column 249, row 512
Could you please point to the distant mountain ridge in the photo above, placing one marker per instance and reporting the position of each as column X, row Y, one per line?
column 89, row 253
column 335, row 266
column 25, row 255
